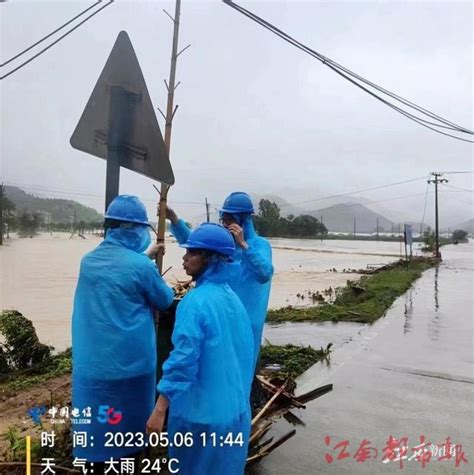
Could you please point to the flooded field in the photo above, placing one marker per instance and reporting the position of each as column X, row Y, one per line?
column 39, row 275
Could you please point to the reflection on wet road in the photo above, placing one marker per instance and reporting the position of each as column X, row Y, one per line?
column 408, row 375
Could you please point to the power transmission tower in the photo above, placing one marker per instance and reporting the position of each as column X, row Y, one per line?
column 437, row 179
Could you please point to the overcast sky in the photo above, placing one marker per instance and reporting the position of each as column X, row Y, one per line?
column 254, row 113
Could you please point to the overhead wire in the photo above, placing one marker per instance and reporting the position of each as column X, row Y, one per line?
column 458, row 188
column 68, row 194
column 22, row 65
column 44, row 38
column 452, row 173
column 356, row 191
column 344, row 72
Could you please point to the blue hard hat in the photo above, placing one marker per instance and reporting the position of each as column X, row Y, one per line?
column 211, row 237
column 127, row 208
column 237, row 202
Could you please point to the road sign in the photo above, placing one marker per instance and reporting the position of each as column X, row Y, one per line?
column 119, row 123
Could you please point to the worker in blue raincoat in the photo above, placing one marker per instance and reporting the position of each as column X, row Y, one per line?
column 252, row 284
column 207, row 377
column 113, row 334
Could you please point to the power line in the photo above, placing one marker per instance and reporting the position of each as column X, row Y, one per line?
column 344, row 72
column 327, row 61
column 56, row 41
column 49, row 35
column 452, row 173
column 84, row 194
column 458, row 188
column 355, row 191
column 387, row 199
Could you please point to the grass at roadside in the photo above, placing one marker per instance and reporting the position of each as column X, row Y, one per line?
column 363, row 301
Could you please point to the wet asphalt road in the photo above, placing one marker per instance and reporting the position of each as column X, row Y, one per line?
column 408, row 375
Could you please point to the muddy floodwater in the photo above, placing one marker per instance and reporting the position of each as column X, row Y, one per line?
column 39, row 275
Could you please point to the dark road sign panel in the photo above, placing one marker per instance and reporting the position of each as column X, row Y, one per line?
column 140, row 144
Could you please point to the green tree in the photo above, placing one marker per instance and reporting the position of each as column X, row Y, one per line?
column 429, row 240
column 268, row 221
column 20, row 347
column 9, row 216
column 459, row 235
column 29, row 223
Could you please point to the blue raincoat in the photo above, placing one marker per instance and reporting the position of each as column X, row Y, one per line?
column 208, row 375
column 252, row 284
column 113, row 341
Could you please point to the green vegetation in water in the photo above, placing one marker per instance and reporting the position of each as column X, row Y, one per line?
column 294, row 360
column 24, row 360
column 364, row 301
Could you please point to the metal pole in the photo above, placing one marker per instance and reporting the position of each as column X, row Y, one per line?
column 207, row 211
column 116, row 129
column 160, row 238
column 436, row 218
column 405, row 239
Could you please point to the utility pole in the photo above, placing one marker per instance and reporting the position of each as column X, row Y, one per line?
column 207, row 211
column 2, row 190
column 437, row 180
column 170, row 112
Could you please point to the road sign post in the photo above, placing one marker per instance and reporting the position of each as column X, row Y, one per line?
column 119, row 122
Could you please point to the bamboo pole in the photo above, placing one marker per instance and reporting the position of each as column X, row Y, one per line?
column 269, row 403
column 171, row 86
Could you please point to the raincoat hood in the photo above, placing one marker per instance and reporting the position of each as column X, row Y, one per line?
column 248, row 227
column 218, row 271
column 136, row 238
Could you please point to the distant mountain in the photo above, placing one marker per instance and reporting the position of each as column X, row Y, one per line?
column 285, row 207
column 340, row 218
column 466, row 226
column 62, row 211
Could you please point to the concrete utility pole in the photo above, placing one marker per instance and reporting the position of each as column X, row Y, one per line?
column 437, row 180
column 170, row 112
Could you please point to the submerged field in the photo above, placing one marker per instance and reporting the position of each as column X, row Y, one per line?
column 363, row 301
